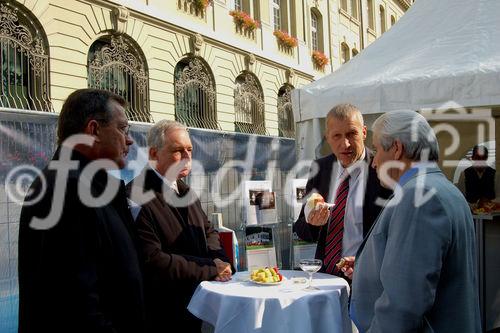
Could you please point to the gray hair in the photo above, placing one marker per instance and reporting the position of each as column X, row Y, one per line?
column 156, row 135
column 412, row 130
column 343, row 112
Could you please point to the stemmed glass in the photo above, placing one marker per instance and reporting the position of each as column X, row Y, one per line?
column 310, row 266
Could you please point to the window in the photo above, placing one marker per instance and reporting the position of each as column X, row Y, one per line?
column 277, row 14
column 251, row 7
column 24, row 59
column 354, row 9
column 393, row 20
column 286, row 124
column 343, row 5
column 116, row 64
column 249, row 105
column 371, row 20
column 354, row 52
column 195, row 94
column 344, row 51
column 238, row 5
column 383, row 28
column 314, row 31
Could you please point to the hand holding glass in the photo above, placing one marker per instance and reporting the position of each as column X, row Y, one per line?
column 310, row 266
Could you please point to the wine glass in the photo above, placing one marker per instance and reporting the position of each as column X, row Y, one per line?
column 310, row 266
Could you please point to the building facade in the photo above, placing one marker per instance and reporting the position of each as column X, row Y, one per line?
column 226, row 65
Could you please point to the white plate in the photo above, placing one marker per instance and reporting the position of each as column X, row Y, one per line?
column 268, row 283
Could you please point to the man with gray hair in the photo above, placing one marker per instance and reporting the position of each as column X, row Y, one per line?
column 346, row 179
column 179, row 246
column 416, row 270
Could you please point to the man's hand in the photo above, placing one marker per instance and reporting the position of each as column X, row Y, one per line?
column 223, row 270
column 319, row 215
column 348, row 267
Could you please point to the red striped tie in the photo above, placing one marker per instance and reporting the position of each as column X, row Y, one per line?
column 333, row 245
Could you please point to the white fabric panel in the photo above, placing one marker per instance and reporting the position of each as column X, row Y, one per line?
column 444, row 52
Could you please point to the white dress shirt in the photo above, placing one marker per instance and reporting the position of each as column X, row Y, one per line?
column 172, row 185
column 353, row 218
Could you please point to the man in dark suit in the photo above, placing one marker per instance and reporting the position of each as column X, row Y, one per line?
column 479, row 178
column 346, row 179
column 78, row 264
column 179, row 245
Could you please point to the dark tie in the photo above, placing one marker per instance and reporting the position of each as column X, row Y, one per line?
column 333, row 247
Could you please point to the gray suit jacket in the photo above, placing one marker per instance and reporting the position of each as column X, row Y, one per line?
column 416, row 270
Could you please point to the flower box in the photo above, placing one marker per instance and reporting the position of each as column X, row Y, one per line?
column 201, row 4
column 320, row 59
column 285, row 39
column 244, row 21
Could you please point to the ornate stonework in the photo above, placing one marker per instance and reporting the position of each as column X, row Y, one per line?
column 21, row 38
column 119, row 18
column 196, row 43
column 117, row 54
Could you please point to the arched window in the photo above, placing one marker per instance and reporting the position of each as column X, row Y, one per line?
column 383, row 28
column 24, row 59
column 286, row 124
column 344, row 51
column 393, row 20
column 117, row 64
column 371, row 16
column 195, row 94
column 316, row 30
column 249, row 105
column 354, row 52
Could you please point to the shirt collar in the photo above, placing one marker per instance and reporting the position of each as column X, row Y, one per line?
column 352, row 170
column 170, row 184
column 415, row 168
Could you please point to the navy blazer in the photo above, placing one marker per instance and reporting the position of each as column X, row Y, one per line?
column 321, row 183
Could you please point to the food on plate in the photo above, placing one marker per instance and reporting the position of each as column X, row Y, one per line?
column 485, row 207
column 266, row 275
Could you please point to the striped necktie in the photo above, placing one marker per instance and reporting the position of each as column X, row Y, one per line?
column 333, row 245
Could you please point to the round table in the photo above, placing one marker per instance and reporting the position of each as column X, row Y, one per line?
column 243, row 306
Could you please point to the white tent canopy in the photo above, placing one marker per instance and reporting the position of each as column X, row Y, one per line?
column 440, row 54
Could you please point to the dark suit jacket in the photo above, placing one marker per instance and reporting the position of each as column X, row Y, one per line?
column 83, row 274
column 178, row 245
column 321, row 183
column 479, row 188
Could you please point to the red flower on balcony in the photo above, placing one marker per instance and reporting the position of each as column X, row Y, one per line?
column 202, row 4
column 285, row 39
column 319, row 59
column 244, row 21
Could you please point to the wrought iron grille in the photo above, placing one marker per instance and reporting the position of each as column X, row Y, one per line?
column 116, row 65
column 24, row 75
column 195, row 95
column 286, row 124
column 249, row 105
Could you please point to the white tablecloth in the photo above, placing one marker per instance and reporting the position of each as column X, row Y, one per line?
column 241, row 306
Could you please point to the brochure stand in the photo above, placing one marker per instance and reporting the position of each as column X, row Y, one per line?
column 260, row 224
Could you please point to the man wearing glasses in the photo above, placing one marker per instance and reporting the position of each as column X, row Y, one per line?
column 78, row 264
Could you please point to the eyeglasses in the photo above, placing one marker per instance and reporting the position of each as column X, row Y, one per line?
column 124, row 129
